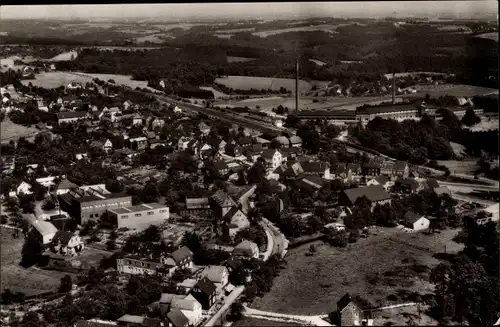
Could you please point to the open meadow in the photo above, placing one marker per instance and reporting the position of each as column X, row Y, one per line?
column 52, row 80
column 374, row 268
column 259, row 83
column 254, row 322
column 12, row 132
column 457, row 90
column 30, row 281
column 329, row 28
column 460, row 166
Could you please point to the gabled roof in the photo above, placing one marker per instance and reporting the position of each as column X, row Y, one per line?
column 43, row 227
column 177, row 318
column 345, row 301
column 181, row 254
column 432, row 183
column 63, row 237
column 233, row 262
column 229, row 215
column 295, row 139
column 70, row 114
column 167, row 298
column 371, row 165
column 223, row 199
column 214, row 273
column 268, row 153
column 374, row 193
column 246, row 245
column 282, row 140
column 65, row 184
column 314, row 166
column 382, row 180
column 186, row 303
column 407, row 181
column 206, row 286
column 353, row 166
column 410, row 217
column 442, row 190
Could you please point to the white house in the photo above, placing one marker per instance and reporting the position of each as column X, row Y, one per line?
column 381, row 180
column 67, row 243
column 415, row 222
column 23, row 188
column 108, row 146
column 273, row 158
column 190, row 307
column 183, row 143
column 246, row 249
column 43, row 231
column 494, row 210
column 46, row 182
column 219, row 275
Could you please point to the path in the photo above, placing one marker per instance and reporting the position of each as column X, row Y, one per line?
column 214, row 321
column 308, row 320
column 280, row 243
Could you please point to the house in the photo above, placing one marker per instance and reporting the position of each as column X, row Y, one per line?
column 318, row 168
column 234, row 150
column 221, row 167
column 245, row 141
column 204, row 128
column 374, row 193
column 406, row 185
column 341, row 172
column 187, row 285
column 67, row 243
column 150, row 135
column 354, row 168
column 70, row 116
column 431, row 183
column 236, row 220
column 283, row 141
column 126, row 104
column 137, row 120
column 138, row 321
column 246, row 249
column 295, row 141
column 370, row 169
column 273, row 158
column 135, row 265
column 253, row 152
column 42, row 231
column 401, row 169
column 23, row 188
column 183, row 142
column 381, row 180
column 221, row 203
column 233, row 263
column 176, row 318
column 219, row 275
column 195, row 206
column 138, row 143
column 349, row 312
column 204, row 292
column 387, row 168
column 310, row 184
column 415, row 222
column 291, row 153
column 139, row 216
column 94, row 323
column 190, row 307
column 108, row 146
column 182, row 257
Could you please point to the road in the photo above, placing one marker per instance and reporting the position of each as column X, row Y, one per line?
column 215, row 320
column 307, row 320
column 280, row 243
column 466, row 187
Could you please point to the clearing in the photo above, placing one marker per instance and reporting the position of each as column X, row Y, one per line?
column 52, row 80
column 374, row 268
column 403, row 317
column 460, row 166
column 329, row 28
column 11, row 131
column 458, row 90
column 259, row 83
column 65, row 56
column 231, row 59
column 30, row 281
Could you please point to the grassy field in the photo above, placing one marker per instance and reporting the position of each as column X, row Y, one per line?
column 30, row 281
column 485, row 125
column 453, row 90
column 325, row 27
column 403, row 317
column 55, row 79
column 65, row 56
column 460, row 167
column 251, row 322
column 11, row 131
column 374, row 268
column 231, row 59
column 251, row 82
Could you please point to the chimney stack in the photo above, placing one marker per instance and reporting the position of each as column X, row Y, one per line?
column 393, row 87
column 297, row 87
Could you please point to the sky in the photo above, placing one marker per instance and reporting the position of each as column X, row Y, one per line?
column 174, row 12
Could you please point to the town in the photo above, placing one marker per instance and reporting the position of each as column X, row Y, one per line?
column 366, row 201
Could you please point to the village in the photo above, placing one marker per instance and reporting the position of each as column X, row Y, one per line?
column 240, row 179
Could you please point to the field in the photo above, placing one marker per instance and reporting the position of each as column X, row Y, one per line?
column 492, row 36
column 403, row 317
column 259, row 83
column 251, row 322
column 30, row 281
column 326, row 28
column 217, row 94
column 231, row 59
column 65, row 56
column 11, row 131
column 52, row 80
column 460, row 167
column 374, row 268
column 454, row 90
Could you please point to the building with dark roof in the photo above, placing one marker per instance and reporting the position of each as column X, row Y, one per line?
column 70, row 116
column 349, row 312
column 376, row 194
column 415, row 222
column 392, row 111
column 204, row 292
column 405, row 185
column 177, row 319
column 221, row 203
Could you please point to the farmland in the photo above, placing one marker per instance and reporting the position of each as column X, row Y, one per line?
column 374, row 268
column 454, row 90
column 11, row 131
column 55, row 79
column 65, row 56
column 460, row 166
column 217, row 94
column 259, row 83
column 30, row 281
column 231, row 59
column 326, row 28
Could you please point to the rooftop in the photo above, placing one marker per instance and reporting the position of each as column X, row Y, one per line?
column 214, row 273
column 138, row 208
column 374, row 193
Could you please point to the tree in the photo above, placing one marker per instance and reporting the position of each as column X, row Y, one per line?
column 110, row 245
column 470, row 118
column 236, row 311
column 312, row 249
column 49, row 204
column 30, row 252
column 114, row 186
column 66, row 284
column 27, row 203
column 150, row 192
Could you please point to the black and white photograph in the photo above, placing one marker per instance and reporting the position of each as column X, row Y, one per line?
column 250, row 164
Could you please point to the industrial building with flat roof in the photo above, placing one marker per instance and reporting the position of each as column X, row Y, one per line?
column 140, row 216
column 91, row 203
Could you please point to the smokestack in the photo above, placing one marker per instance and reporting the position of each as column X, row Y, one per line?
column 297, row 88
column 393, row 87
